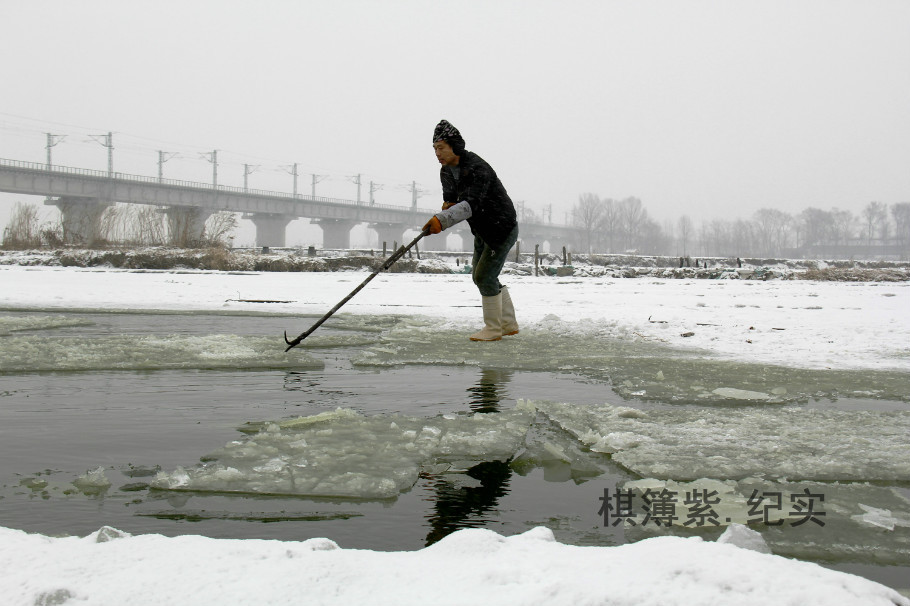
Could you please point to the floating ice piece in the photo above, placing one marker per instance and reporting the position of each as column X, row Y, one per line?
column 702, row 503
column 740, row 394
column 346, row 454
column 109, row 533
column 732, row 443
column 92, row 482
column 744, row 537
column 882, row 518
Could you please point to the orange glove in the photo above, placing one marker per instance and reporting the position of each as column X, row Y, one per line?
column 447, row 205
column 433, row 225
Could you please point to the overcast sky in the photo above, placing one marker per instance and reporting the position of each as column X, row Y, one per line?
column 707, row 108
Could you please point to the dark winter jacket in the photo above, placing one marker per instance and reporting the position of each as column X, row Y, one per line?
column 492, row 213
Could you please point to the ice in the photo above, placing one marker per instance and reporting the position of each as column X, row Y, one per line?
column 637, row 368
column 882, row 518
column 838, row 528
column 93, row 482
column 745, row 538
column 147, row 352
column 345, row 454
column 740, row 394
column 684, row 443
column 559, row 454
column 10, row 324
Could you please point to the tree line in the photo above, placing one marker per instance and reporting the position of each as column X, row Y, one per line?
column 618, row 226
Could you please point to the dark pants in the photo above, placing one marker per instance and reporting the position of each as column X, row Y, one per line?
column 488, row 262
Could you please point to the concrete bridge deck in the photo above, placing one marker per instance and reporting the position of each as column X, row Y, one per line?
column 79, row 191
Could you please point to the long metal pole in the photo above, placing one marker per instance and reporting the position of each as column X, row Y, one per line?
column 389, row 262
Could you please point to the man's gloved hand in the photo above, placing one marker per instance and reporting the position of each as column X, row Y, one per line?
column 448, row 205
column 433, row 225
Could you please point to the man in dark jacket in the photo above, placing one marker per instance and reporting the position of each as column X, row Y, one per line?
column 471, row 191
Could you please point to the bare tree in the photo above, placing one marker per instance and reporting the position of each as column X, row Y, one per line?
column 771, row 230
column 632, row 215
column 817, row 227
column 900, row 212
column 610, row 223
column 684, row 229
column 22, row 231
column 148, row 226
column 875, row 218
column 219, row 229
column 842, row 226
column 587, row 215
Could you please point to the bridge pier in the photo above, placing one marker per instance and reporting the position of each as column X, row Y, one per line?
column 336, row 233
column 389, row 232
column 186, row 225
column 271, row 229
column 80, row 218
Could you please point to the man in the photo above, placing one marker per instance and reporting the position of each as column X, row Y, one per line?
column 471, row 191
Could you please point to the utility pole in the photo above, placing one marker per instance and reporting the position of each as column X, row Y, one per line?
column 109, row 144
column 213, row 158
column 293, row 171
column 52, row 140
column 247, row 169
column 373, row 188
column 356, row 179
column 162, row 158
column 415, row 193
column 316, row 179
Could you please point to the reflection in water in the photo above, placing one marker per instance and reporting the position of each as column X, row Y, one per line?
column 457, row 505
column 489, row 390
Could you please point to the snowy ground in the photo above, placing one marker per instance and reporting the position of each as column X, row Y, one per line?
column 814, row 329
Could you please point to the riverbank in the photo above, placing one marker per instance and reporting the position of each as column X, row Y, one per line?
column 442, row 262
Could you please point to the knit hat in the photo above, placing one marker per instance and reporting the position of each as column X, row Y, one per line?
column 446, row 132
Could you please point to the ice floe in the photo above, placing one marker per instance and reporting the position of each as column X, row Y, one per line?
column 686, row 443
column 344, row 453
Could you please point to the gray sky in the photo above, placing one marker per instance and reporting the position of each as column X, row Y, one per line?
column 708, row 108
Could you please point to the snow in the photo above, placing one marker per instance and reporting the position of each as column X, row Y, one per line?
column 471, row 566
column 630, row 329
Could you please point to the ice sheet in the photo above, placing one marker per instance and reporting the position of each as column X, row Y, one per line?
column 147, row 352
column 804, row 324
column 346, row 454
column 637, row 368
column 10, row 324
column 834, row 521
column 686, row 443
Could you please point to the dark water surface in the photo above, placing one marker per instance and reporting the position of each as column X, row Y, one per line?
column 56, row 426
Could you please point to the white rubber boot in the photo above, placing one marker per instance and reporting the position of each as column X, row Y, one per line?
column 509, row 323
column 492, row 320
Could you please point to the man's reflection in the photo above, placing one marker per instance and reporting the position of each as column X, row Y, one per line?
column 488, row 392
column 464, row 506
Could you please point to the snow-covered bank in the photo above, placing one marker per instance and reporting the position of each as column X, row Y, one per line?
column 548, row 264
column 471, row 566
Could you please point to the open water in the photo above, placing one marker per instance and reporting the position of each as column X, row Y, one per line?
column 146, row 393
